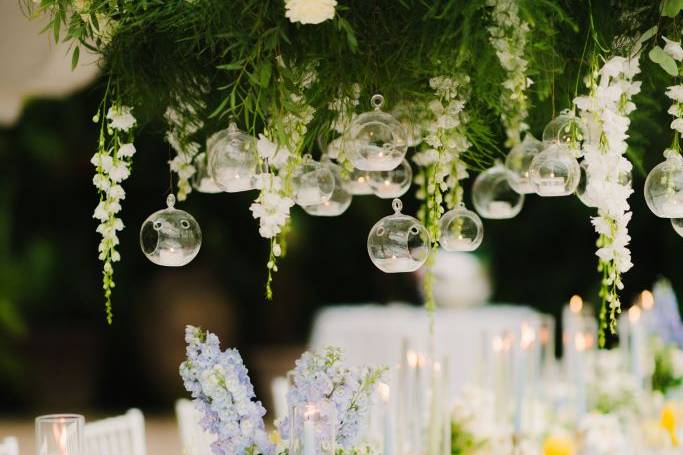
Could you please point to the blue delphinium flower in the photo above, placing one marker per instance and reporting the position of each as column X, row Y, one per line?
column 321, row 377
column 222, row 391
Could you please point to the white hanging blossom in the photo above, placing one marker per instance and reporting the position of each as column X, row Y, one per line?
column 183, row 122
column 508, row 35
column 605, row 111
column 112, row 163
column 310, row 11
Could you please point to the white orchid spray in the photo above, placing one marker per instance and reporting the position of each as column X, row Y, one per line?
column 508, row 36
column 441, row 168
column 183, row 122
column 310, row 11
column 112, row 162
column 608, row 172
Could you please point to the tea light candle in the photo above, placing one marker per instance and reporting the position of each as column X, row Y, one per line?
column 551, row 185
column 499, row 209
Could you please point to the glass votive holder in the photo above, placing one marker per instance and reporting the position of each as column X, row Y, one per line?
column 313, row 429
column 59, row 434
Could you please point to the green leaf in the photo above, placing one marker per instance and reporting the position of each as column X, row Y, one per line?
column 649, row 33
column 265, row 73
column 668, row 64
column 74, row 57
column 671, row 8
column 231, row 66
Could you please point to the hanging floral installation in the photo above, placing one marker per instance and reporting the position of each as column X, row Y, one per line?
column 311, row 103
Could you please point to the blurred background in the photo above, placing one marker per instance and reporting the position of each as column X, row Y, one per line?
column 58, row 354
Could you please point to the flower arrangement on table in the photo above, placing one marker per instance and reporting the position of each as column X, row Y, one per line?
column 668, row 367
column 322, row 388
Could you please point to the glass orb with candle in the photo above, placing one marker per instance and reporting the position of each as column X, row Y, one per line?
column 518, row 161
column 339, row 200
column 555, row 171
column 493, row 196
column 664, row 187
column 201, row 180
column 358, row 182
column 409, row 117
column 232, row 159
column 392, row 184
column 375, row 140
column 314, row 428
column 588, row 190
column 313, row 182
column 170, row 237
column 566, row 129
column 60, row 434
column 398, row 242
column 461, row 230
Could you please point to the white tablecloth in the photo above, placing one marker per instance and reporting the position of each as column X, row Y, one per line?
column 373, row 334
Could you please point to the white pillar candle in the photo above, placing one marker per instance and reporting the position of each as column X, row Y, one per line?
column 309, row 430
column 435, row 414
column 384, row 393
column 580, row 345
column 637, row 343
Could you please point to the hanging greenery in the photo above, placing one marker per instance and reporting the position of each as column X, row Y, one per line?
column 277, row 85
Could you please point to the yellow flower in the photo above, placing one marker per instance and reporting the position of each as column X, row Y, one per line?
column 558, row 445
column 668, row 422
column 275, row 437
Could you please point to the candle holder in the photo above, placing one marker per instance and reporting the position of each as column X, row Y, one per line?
column 314, row 429
column 59, row 434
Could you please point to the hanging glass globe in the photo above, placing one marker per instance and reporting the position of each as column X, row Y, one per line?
column 518, row 161
column 677, row 224
column 408, row 116
column 664, row 187
column 392, row 184
column 170, row 237
column 461, row 230
column 398, row 242
column 492, row 195
column 358, row 182
column 375, row 140
column 232, row 159
column 587, row 191
column 201, row 180
column 313, row 182
column 555, row 171
column 339, row 201
column 566, row 129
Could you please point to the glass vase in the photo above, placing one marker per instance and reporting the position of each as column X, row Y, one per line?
column 60, row 434
column 313, row 428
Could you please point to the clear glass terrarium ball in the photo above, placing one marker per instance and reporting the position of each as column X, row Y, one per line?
column 664, row 188
column 566, row 129
column 375, row 140
column 518, row 161
column 232, row 159
column 555, row 171
column 493, row 196
column 392, row 184
column 201, row 180
column 461, row 230
column 408, row 116
column 313, row 182
column 587, row 192
column 398, row 242
column 339, row 201
column 170, row 237
column 677, row 224
column 357, row 182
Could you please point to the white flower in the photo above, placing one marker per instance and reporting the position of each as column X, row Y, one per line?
column 101, row 182
column 310, row 11
column 126, row 151
column 120, row 118
column 102, row 160
column 675, row 92
column 116, row 192
column 119, row 171
column 673, row 48
column 677, row 125
column 265, row 147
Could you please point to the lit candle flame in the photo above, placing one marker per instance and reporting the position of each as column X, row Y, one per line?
column 647, row 300
column 634, row 314
column 576, row 304
column 384, row 391
column 411, row 357
column 59, row 431
column 528, row 336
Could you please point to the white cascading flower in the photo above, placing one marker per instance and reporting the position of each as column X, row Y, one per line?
column 310, row 11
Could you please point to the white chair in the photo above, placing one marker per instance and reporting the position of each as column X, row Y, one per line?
column 195, row 440
column 120, row 435
column 9, row 446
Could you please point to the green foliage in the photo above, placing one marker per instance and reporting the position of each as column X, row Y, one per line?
column 463, row 442
column 665, row 377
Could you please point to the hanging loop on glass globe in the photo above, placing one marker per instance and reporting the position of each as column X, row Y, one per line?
column 461, row 230
column 232, row 159
column 170, row 237
column 313, row 182
column 567, row 129
column 492, row 195
column 392, row 184
column 518, row 161
column 555, row 171
column 339, row 201
column 375, row 140
column 398, row 243
column 677, row 224
column 201, row 180
column 664, row 187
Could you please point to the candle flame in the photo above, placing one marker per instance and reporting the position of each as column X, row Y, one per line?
column 576, row 304
column 647, row 300
column 310, row 410
column 580, row 342
column 634, row 314
column 59, row 431
column 528, row 336
column 411, row 357
column 384, row 391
